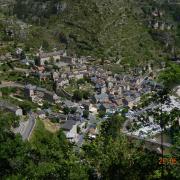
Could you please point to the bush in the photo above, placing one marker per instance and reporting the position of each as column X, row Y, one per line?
column 85, row 114
column 66, row 110
column 73, row 110
column 101, row 114
column 78, row 95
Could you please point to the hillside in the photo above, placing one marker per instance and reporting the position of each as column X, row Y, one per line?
column 110, row 28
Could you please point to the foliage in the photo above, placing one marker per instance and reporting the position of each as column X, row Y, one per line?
column 86, row 94
column 85, row 29
column 77, row 95
column 7, row 91
column 81, row 81
column 101, row 114
column 46, row 105
column 171, row 75
column 73, row 110
column 46, row 156
column 175, row 151
column 50, row 156
column 116, row 158
column 66, row 110
column 85, row 114
column 27, row 106
column 45, row 45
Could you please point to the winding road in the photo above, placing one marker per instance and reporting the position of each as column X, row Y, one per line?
column 25, row 128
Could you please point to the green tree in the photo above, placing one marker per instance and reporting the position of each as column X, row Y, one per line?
column 81, row 81
column 171, row 75
column 101, row 114
column 85, row 114
column 73, row 110
column 45, row 45
column 77, row 95
column 46, row 105
column 112, row 156
column 66, row 110
column 23, row 55
column 86, row 94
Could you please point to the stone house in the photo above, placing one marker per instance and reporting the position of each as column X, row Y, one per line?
column 82, row 60
column 119, row 101
column 110, row 84
column 59, row 117
column 107, row 107
column 98, row 98
column 100, row 86
column 43, row 57
column 30, row 91
column 57, row 55
column 117, row 90
column 55, row 76
column 79, row 75
column 70, row 129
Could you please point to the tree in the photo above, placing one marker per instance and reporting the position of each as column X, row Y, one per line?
column 171, row 76
column 102, row 61
column 164, row 119
column 81, row 81
column 37, row 60
column 124, row 111
column 85, row 114
column 77, row 95
column 23, row 55
column 111, row 155
column 175, row 152
column 101, row 114
column 45, row 45
column 78, row 129
column 66, row 110
column 27, row 106
column 86, row 94
column 46, row 63
column 46, row 105
column 73, row 110
column 63, row 38
column 55, row 67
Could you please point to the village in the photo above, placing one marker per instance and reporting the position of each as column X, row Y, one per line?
column 80, row 95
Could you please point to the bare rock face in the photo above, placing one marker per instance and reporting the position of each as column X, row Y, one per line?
column 35, row 9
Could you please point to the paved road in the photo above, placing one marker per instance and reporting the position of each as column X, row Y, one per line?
column 29, row 128
column 26, row 127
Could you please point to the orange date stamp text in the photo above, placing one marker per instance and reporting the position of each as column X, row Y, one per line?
column 171, row 161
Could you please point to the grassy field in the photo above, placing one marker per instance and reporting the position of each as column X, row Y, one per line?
column 51, row 127
column 43, row 128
